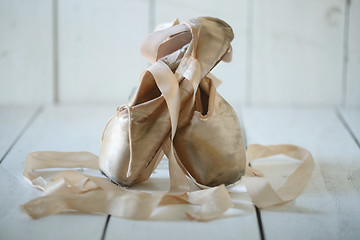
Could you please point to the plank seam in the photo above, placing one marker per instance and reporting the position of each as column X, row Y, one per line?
column 151, row 16
column 347, row 127
column 345, row 53
column 55, row 35
column 23, row 130
column 257, row 210
column 105, row 227
column 249, row 53
column 258, row 215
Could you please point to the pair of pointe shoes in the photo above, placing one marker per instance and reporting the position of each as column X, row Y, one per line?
column 177, row 102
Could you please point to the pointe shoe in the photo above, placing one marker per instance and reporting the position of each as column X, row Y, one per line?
column 133, row 138
column 209, row 143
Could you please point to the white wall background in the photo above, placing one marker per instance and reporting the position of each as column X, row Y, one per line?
column 286, row 52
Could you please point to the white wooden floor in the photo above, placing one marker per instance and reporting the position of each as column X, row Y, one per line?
column 329, row 208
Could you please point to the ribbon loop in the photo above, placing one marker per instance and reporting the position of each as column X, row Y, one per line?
column 259, row 188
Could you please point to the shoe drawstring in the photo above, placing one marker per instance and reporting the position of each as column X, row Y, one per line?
column 103, row 131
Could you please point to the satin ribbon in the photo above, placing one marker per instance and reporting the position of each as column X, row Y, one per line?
column 169, row 87
column 73, row 191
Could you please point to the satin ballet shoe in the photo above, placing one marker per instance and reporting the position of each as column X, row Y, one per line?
column 134, row 137
column 209, row 142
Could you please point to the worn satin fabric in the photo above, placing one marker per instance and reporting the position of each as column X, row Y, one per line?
column 211, row 147
column 134, row 137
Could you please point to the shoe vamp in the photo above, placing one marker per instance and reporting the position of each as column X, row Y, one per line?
column 149, row 126
column 149, row 129
column 114, row 153
column 212, row 149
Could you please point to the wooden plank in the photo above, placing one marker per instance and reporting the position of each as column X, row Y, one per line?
column 297, row 52
column 352, row 118
column 227, row 228
column 353, row 79
column 26, row 51
column 233, row 12
column 13, row 119
column 328, row 207
column 99, row 42
column 61, row 129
